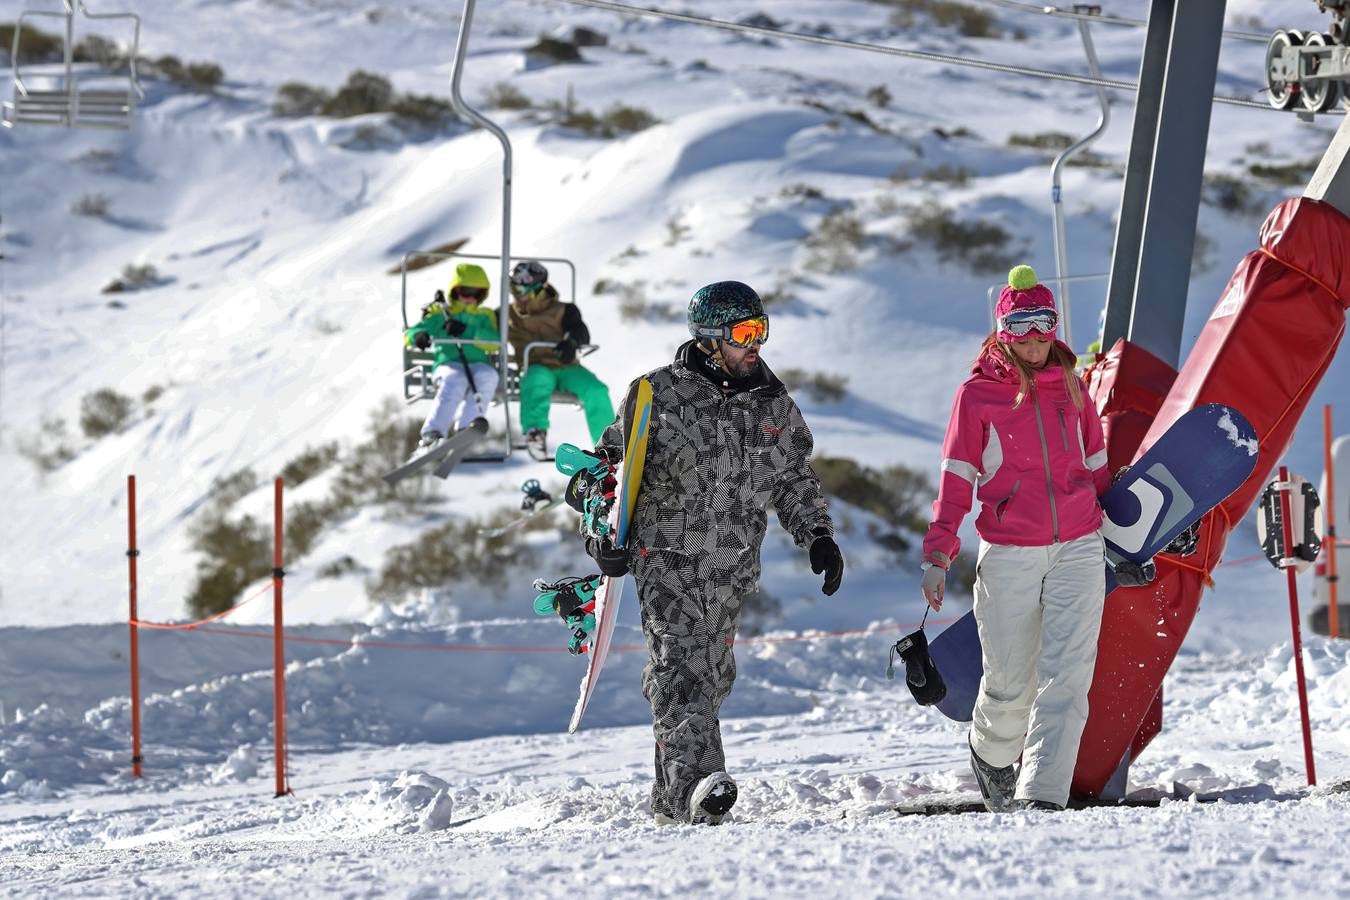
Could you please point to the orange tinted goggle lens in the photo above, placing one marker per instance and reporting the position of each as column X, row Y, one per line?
column 751, row 331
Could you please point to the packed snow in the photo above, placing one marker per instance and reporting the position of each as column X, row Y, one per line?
column 428, row 754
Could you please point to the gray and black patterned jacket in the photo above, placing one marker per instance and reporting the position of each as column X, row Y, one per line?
column 716, row 463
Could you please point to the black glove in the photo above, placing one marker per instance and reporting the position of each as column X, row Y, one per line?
column 921, row 675
column 421, row 340
column 439, row 298
column 566, row 350
column 825, row 557
column 1129, row 574
column 612, row 560
column 454, row 327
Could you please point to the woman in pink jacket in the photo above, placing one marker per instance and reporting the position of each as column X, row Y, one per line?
column 1025, row 440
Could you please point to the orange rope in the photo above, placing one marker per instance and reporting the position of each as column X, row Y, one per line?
column 620, row 648
column 1305, row 273
column 164, row 626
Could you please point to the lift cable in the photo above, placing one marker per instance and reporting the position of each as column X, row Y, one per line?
column 1005, row 68
column 1058, row 13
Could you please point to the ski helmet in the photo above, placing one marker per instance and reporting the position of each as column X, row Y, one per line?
column 528, row 276
column 469, row 275
column 722, row 303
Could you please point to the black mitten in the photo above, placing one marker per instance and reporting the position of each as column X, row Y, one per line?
column 921, row 675
column 1130, row 574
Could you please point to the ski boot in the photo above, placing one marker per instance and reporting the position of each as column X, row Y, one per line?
column 536, row 444
column 534, row 495
column 1046, row 805
column 996, row 785
column 428, row 442
column 712, row 799
column 573, row 599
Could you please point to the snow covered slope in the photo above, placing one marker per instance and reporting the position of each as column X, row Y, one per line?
column 274, row 328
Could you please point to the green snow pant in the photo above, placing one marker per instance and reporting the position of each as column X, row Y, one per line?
column 690, row 613
column 536, row 394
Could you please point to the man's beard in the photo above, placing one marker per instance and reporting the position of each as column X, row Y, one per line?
column 747, row 366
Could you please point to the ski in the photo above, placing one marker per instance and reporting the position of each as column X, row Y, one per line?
column 537, row 502
column 1206, row 455
column 436, row 454
column 471, row 436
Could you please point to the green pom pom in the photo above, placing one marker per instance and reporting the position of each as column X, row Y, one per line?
column 1022, row 278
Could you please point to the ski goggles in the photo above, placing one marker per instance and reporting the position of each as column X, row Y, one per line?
column 1021, row 322
column 744, row 333
column 521, row 289
column 471, row 293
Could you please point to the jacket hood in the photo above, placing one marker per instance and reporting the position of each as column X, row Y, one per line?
column 691, row 361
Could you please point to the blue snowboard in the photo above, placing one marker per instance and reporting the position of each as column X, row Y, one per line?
column 1206, row 455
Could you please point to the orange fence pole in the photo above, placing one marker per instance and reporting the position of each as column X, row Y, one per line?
column 132, row 553
column 1333, row 614
column 1291, row 573
column 279, row 646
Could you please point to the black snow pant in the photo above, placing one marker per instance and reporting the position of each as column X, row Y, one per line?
column 690, row 612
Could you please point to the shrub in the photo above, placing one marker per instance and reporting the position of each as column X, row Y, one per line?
column 985, row 246
column 422, row 109
column 1288, row 174
column 452, row 553
column 676, row 231
column 234, row 553
column 878, row 95
column 133, row 278
column 627, row 119
column 306, row 521
column 392, row 438
column 343, row 565
column 822, row 387
column 969, row 21
column 151, row 394
column 897, row 494
column 104, row 412
column 801, row 191
column 505, row 95
column 97, row 49
column 310, row 462
column 93, row 205
column 47, row 449
column 203, row 77
column 553, row 50
column 430, row 258
column 834, row 246
column 1054, row 141
column 363, row 93
column 295, row 99
column 35, row 45
column 1229, row 193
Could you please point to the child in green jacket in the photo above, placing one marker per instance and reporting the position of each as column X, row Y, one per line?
column 463, row 318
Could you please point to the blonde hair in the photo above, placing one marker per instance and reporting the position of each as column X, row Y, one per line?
column 1059, row 356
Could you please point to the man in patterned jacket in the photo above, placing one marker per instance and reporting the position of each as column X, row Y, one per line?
column 726, row 443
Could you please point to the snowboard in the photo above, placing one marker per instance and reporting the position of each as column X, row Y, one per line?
column 447, row 453
column 1206, row 455
column 543, row 504
column 610, row 593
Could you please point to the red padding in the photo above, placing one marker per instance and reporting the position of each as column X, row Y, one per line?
column 1264, row 349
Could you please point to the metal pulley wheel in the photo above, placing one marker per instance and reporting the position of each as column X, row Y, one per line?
column 1318, row 95
column 1281, row 81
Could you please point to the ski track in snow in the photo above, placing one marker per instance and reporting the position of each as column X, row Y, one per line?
column 447, row 773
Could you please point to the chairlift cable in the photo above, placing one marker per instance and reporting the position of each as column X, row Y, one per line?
column 1005, row 68
column 1058, row 13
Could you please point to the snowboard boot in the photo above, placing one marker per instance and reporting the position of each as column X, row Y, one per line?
column 1025, row 803
column 996, row 785
column 712, row 799
column 536, row 444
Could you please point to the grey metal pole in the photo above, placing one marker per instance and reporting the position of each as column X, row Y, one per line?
column 1163, row 277
column 72, row 93
column 1138, row 171
column 1331, row 182
column 473, row 115
column 1056, row 190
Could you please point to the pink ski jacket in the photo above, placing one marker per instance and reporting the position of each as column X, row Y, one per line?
column 1037, row 469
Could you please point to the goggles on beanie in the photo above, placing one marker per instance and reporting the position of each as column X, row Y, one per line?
column 1021, row 322
column 739, row 334
column 521, row 288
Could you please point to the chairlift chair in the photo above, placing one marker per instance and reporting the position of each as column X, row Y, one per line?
column 418, row 365
column 74, row 99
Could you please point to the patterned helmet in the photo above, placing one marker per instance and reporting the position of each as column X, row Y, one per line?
column 722, row 303
column 528, row 276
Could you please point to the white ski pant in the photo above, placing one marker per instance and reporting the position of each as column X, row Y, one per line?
column 454, row 389
column 1038, row 610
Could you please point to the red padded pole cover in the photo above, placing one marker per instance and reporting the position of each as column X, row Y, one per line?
column 1264, row 349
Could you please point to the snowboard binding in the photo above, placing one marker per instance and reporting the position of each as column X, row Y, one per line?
column 592, row 488
column 534, row 495
column 573, row 600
